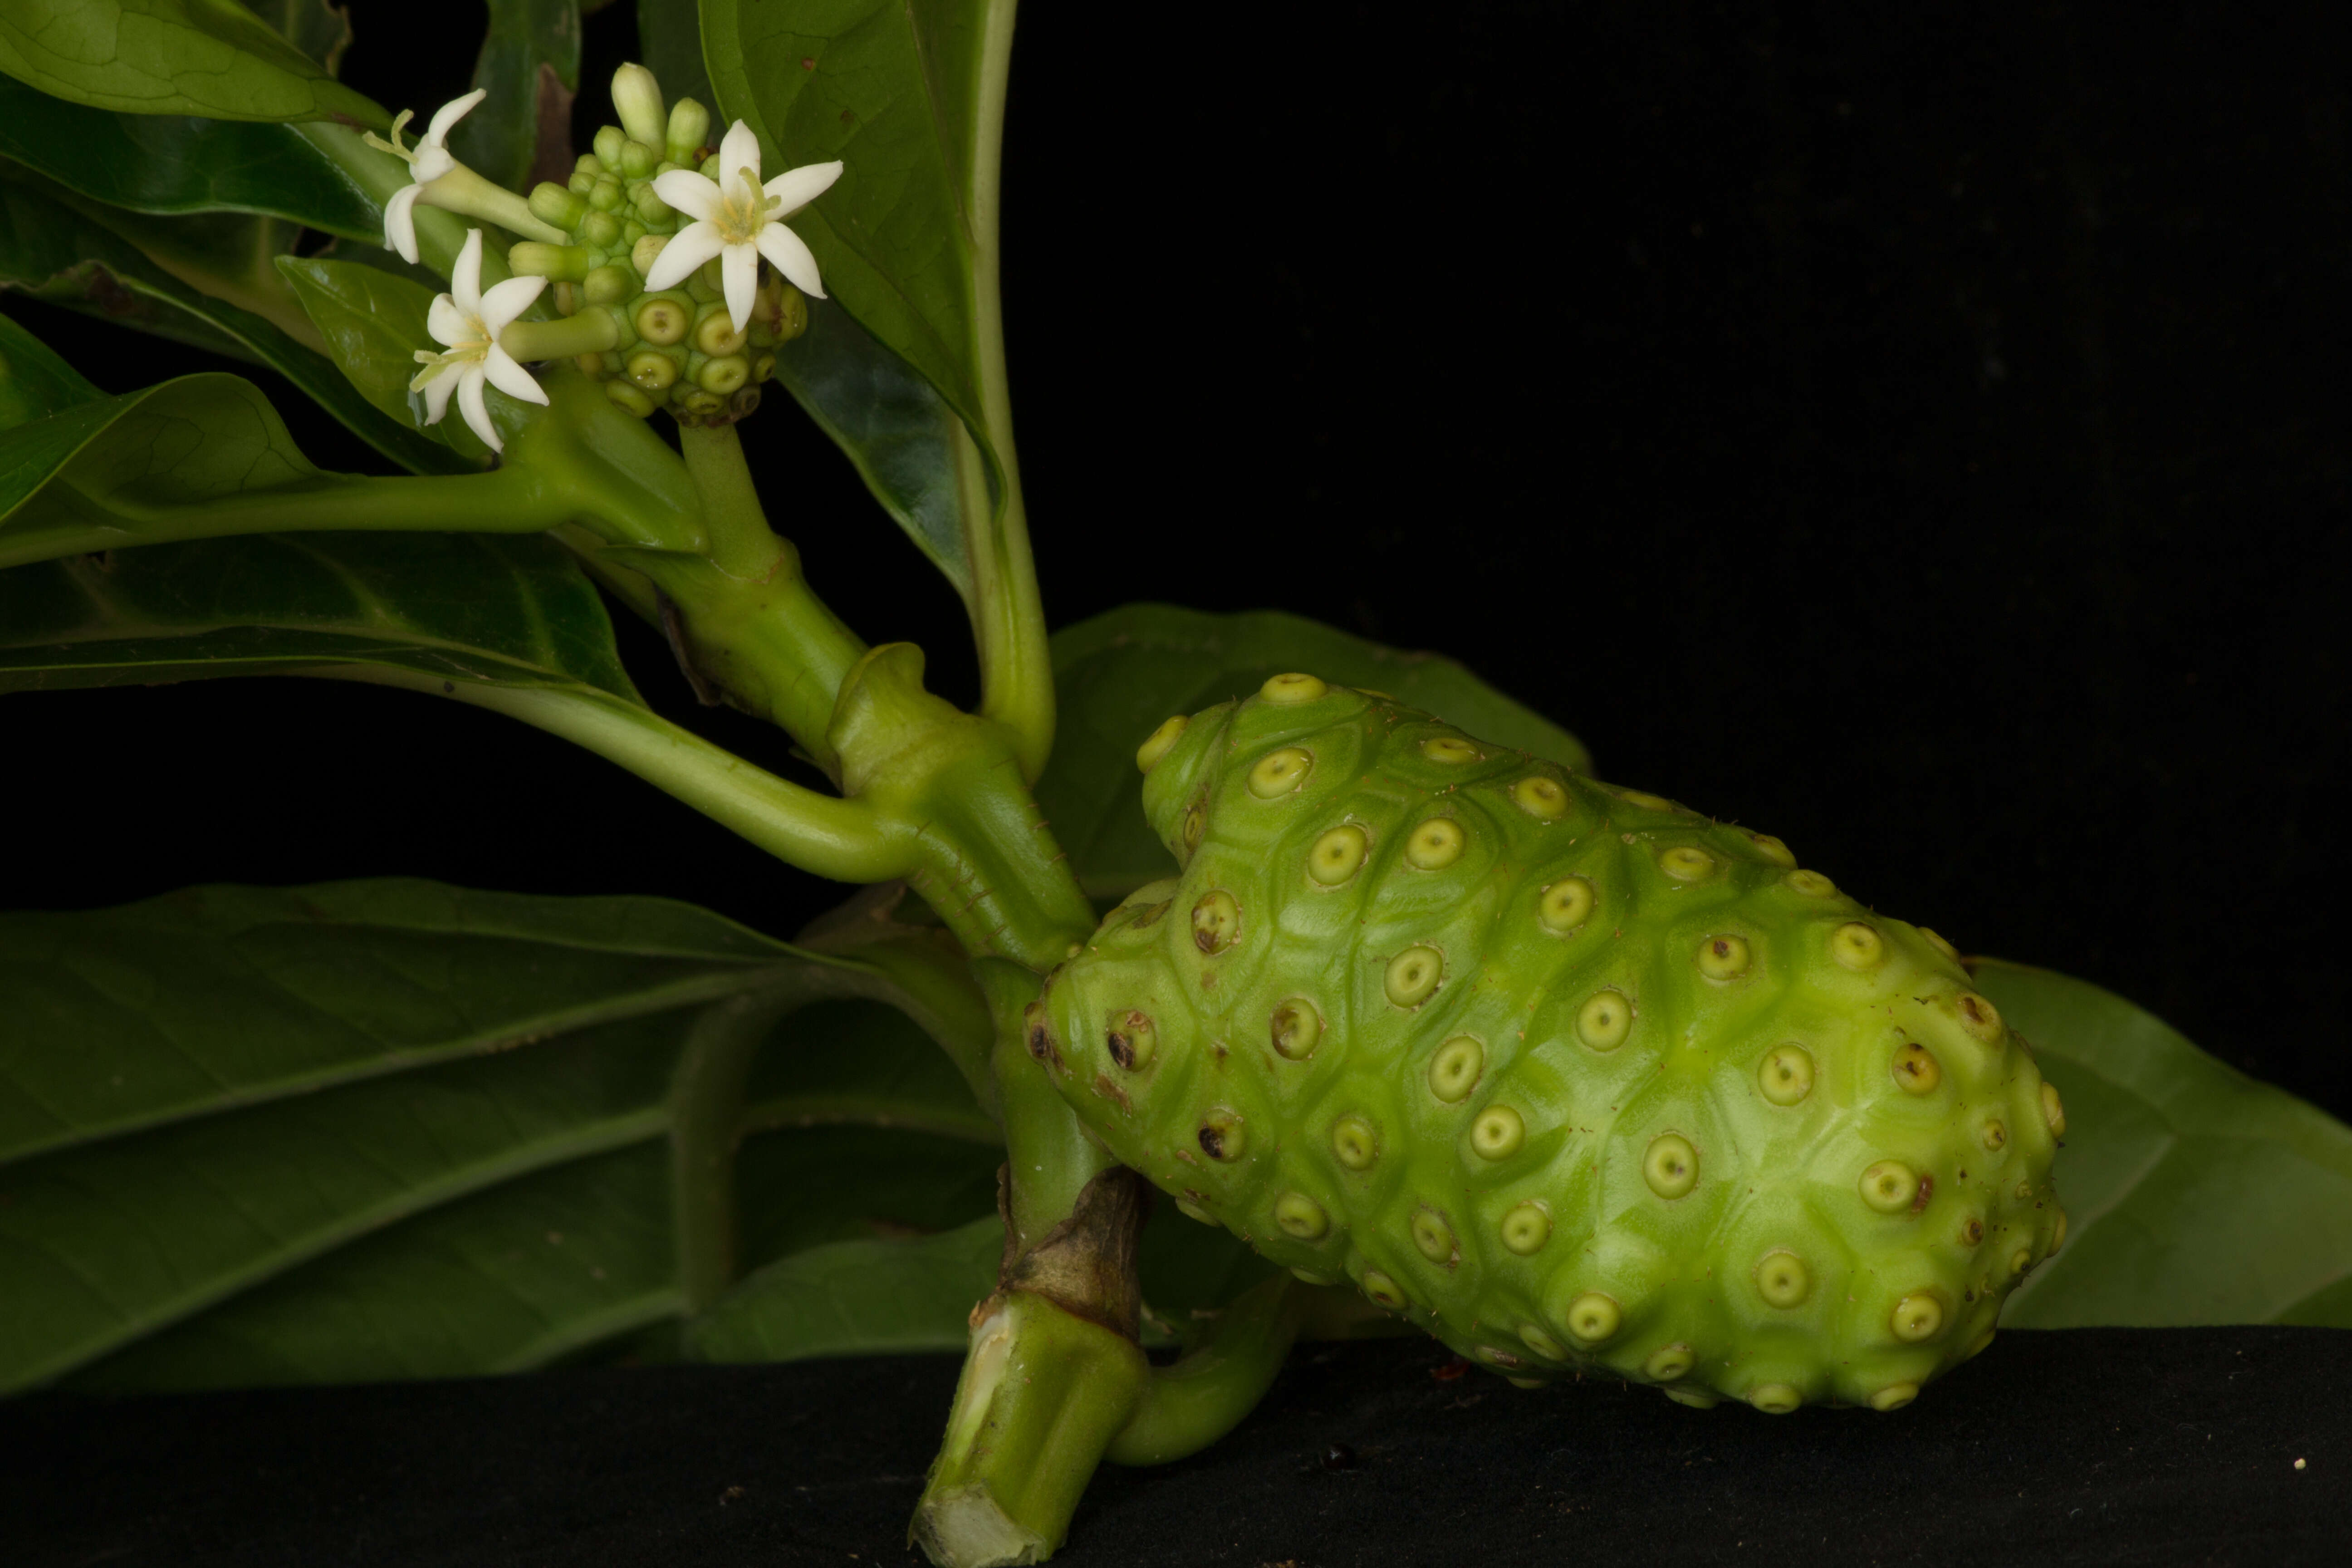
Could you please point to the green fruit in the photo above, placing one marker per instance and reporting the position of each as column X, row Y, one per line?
column 1568, row 1074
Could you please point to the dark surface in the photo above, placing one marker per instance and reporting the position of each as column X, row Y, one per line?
column 2110, row 1446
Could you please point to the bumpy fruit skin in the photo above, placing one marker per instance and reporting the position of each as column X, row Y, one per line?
column 1570, row 1075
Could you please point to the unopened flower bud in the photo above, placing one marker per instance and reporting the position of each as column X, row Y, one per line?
column 600, row 228
column 606, row 195
column 641, row 255
column 637, row 97
column 566, row 263
column 638, row 159
column 608, row 144
column 550, row 202
column 588, row 164
column 651, row 210
column 609, row 284
column 689, row 128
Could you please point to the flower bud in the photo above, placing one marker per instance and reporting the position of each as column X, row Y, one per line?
column 637, row 97
column 651, row 210
column 608, row 144
column 565, row 263
column 601, row 230
column 582, row 183
column 609, row 284
column 642, row 254
column 551, row 204
column 689, row 128
column 638, row 159
column 606, row 195
column 588, row 164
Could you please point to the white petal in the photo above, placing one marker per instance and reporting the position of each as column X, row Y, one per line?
column 466, row 278
column 739, row 271
column 446, row 321
column 738, row 152
column 511, row 378
column 400, row 222
column 476, row 411
column 506, row 300
column 451, row 112
column 430, row 163
column 795, row 189
column 436, row 393
column 687, row 249
column 791, row 257
column 688, row 192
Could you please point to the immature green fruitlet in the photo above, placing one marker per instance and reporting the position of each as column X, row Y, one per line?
column 1570, row 1075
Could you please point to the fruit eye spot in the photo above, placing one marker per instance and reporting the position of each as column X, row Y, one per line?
column 1454, row 1071
column 1131, row 1039
column 1216, row 922
column 1160, row 742
column 1787, row 1075
column 1220, row 1136
column 1593, row 1316
column 1916, row 1069
column 1916, row 1318
column 1980, row 1017
column 1889, row 1186
column 1669, row 1362
column 1525, row 1228
column 1451, row 750
column 1336, row 856
column 1994, row 1136
column 1354, row 1143
column 2054, row 1110
column 1498, row 1133
column 1773, row 849
column 1280, row 773
column 1300, row 1216
column 1565, row 905
column 1782, row 1279
column 1540, row 797
column 1413, row 976
column 1432, row 1235
column 1603, row 1022
column 1857, row 947
column 1670, row 1166
column 1811, row 884
column 1290, row 689
column 1297, row 1028
column 1383, row 1291
column 1684, row 864
column 1435, row 845
column 1723, row 958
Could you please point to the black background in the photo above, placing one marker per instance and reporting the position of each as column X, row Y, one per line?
column 1916, row 431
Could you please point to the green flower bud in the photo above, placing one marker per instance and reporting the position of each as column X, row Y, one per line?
column 651, row 210
column 608, row 144
column 607, row 197
column 551, row 204
column 610, row 284
column 638, row 159
column 588, row 164
column 689, row 128
column 600, row 228
column 643, row 253
column 584, row 182
column 637, row 99
column 566, row 263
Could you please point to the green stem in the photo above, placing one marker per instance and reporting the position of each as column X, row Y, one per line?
column 706, row 1106
column 742, row 543
column 440, row 236
column 1206, row 1393
column 592, row 331
column 846, row 840
column 508, row 501
column 466, row 194
column 1049, row 1158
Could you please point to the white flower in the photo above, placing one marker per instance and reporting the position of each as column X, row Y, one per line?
column 428, row 161
column 740, row 219
column 469, row 323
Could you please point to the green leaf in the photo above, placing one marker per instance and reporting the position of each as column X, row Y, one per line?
column 167, row 163
column 373, row 321
column 2193, row 1194
column 531, row 64
column 911, row 99
column 1119, row 674
column 211, row 57
column 879, row 1297
column 669, row 45
column 321, row 29
column 59, row 255
column 35, row 382
column 389, row 1129
column 453, row 607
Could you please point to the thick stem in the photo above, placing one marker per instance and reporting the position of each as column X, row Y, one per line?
column 591, row 332
column 1206, row 1393
column 466, row 194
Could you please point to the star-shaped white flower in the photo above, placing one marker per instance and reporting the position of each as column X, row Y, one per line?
column 739, row 220
column 469, row 323
column 428, row 161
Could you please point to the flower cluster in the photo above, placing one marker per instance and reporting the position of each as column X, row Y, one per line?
column 654, row 246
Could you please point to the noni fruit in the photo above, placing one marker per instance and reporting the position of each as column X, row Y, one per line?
column 1568, row 1074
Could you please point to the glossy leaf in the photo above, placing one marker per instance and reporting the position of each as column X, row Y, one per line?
column 58, row 255
column 389, row 1129
column 879, row 1297
column 374, row 322
column 1119, row 674
column 531, row 64
column 669, row 44
column 170, row 164
column 2193, row 1194
column 910, row 98
column 34, row 381
column 454, row 607
column 170, row 56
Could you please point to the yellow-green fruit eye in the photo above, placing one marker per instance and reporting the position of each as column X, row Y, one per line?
column 1773, row 849
column 1645, row 800
column 1288, row 689
column 1856, row 946
column 1383, row 1291
column 1670, row 1166
column 1940, row 944
column 1669, row 1362
column 1890, row 1187
column 1603, row 1022
column 1916, row 1318
column 1297, row 1028
column 1131, row 1039
column 1497, row 1133
column 1593, row 1316
column 1452, row 749
column 1525, row 1228
column 1722, row 958
column 2054, row 1110
column 1895, row 1397
column 1811, row 884
column 1685, row 863
column 1565, row 905
column 1160, row 742
column 1980, row 1017
column 1541, row 798
column 1432, row 1235
column 1994, row 1136
column 1354, row 1143
column 1216, row 922
column 1196, row 821
column 1542, row 1343
column 1435, row 845
column 1782, row 1279
column 1413, row 975
column 1786, row 1076
column 1336, row 855
column 1300, row 1216
column 1221, row 1135
column 1454, row 1071
column 1917, row 1070
column 2021, row 1260
column 1776, row 1398
column 1280, row 772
